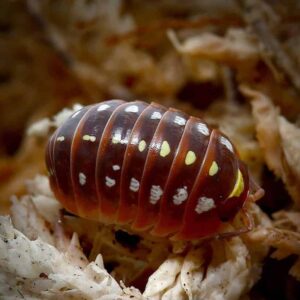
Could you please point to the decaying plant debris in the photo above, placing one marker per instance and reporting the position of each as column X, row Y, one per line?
column 235, row 63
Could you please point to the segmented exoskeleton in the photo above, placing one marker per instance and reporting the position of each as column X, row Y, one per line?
column 148, row 167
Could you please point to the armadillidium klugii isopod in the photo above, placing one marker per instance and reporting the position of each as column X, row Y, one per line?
column 148, row 167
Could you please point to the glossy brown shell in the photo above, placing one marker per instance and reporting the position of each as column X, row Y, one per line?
column 146, row 166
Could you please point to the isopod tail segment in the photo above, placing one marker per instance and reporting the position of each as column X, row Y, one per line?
column 254, row 193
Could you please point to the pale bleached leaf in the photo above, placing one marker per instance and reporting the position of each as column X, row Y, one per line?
column 38, row 270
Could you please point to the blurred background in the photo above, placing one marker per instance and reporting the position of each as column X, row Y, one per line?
column 192, row 55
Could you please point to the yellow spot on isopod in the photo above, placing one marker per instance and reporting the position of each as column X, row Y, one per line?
column 213, row 170
column 142, row 145
column 238, row 187
column 190, row 158
column 165, row 149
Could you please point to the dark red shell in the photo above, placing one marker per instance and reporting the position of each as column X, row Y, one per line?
column 146, row 166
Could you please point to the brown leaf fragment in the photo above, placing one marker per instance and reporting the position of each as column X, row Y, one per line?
column 265, row 116
column 287, row 242
column 273, row 50
column 237, row 48
column 289, row 220
column 279, row 140
column 290, row 140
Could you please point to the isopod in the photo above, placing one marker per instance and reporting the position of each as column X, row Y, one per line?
column 147, row 167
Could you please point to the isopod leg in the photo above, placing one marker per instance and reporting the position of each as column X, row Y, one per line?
column 256, row 192
column 248, row 226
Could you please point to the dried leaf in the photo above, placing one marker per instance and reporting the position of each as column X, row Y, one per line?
column 279, row 140
column 290, row 141
column 227, row 276
column 236, row 49
column 266, row 115
column 47, row 273
column 289, row 220
column 164, row 278
column 287, row 242
column 27, row 219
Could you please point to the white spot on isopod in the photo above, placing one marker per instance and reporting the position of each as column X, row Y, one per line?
column 181, row 196
column 156, row 115
column 226, row 143
column 179, row 120
column 60, row 139
column 116, row 167
column 82, row 178
column 203, row 128
column 132, row 108
column 204, row 204
column 110, row 182
column 90, row 138
column 103, row 107
column 155, row 194
column 134, row 185
column 117, row 138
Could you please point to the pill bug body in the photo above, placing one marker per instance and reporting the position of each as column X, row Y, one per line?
column 148, row 168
